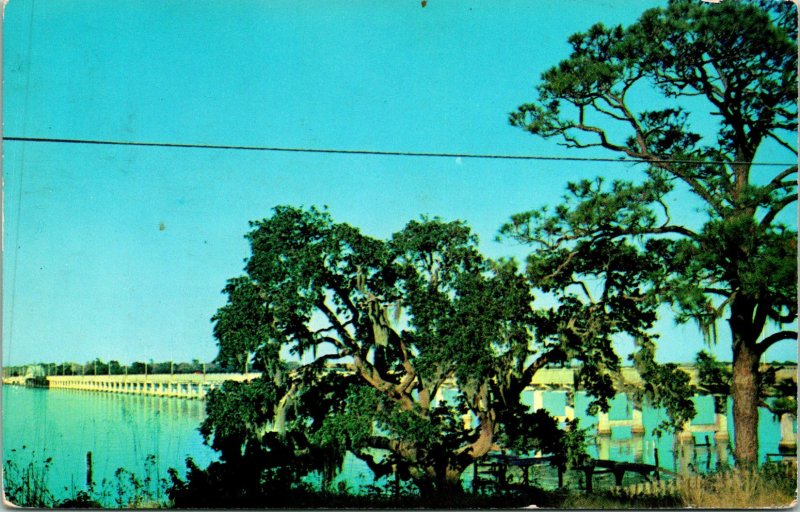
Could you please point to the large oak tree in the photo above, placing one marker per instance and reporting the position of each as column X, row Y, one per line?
column 731, row 69
column 380, row 328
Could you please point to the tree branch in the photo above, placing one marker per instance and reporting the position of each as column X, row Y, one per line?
column 778, row 183
column 718, row 291
column 782, row 142
column 770, row 340
column 555, row 354
column 776, row 209
column 336, row 324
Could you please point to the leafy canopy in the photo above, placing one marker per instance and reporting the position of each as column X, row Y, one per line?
column 641, row 91
column 413, row 352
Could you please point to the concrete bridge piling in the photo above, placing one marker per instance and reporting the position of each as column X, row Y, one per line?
column 197, row 386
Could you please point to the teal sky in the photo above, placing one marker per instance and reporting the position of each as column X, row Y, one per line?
column 121, row 252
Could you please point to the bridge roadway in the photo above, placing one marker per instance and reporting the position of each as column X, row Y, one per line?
column 197, row 386
column 177, row 385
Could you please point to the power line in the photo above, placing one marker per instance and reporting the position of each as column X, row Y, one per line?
column 13, row 294
column 368, row 152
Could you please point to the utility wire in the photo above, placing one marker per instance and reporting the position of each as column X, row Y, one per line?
column 17, row 243
column 368, row 152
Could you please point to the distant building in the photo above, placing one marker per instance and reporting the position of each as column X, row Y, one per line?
column 34, row 371
column 35, row 376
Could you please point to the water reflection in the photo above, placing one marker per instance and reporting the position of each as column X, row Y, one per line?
column 121, row 430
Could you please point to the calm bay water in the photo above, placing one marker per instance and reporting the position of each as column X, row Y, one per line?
column 123, row 430
column 120, row 431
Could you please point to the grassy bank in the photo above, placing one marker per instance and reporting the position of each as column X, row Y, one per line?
column 772, row 485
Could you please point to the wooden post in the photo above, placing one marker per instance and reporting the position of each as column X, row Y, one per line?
column 619, row 475
column 588, row 470
column 89, row 483
column 655, row 459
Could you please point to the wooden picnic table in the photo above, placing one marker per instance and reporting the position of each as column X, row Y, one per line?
column 497, row 465
column 618, row 469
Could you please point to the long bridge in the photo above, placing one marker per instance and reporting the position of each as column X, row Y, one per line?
column 197, row 386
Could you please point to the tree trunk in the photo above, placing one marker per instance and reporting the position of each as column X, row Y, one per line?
column 447, row 483
column 745, row 400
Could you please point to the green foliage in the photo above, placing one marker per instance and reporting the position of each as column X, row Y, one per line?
column 383, row 327
column 735, row 61
column 779, row 396
column 236, row 414
column 26, row 485
column 665, row 385
column 714, row 377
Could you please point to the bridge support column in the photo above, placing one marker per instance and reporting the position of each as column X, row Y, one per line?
column 685, row 435
column 788, row 441
column 603, row 427
column 721, row 449
column 604, row 447
column 684, row 454
column 638, row 447
column 721, row 422
column 637, row 424
column 538, row 399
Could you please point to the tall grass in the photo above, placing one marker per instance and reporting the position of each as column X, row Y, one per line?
column 773, row 485
column 27, row 486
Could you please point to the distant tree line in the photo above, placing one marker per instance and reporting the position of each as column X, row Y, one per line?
column 113, row 367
